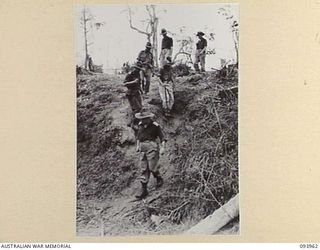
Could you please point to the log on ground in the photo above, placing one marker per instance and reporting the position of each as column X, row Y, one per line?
column 218, row 219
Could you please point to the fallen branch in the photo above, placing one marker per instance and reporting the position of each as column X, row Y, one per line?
column 172, row 213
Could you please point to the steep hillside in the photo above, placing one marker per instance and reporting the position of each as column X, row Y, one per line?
column 200, row 166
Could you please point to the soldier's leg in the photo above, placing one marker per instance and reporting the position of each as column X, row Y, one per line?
column 142, row 79
column 158, row 177
column 144, row 166
column 154, row 168
column 170, row 95
column 131, row 102
column 167, row 110
column 153, row 162
column 163, row 58
column 203, row 62
column 139, row 101
column 196, row 61
column 136, row 103
column 145, row 175
column 162, row 93
column 167, row 55
column 148, row 79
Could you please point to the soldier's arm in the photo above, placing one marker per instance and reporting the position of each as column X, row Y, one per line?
column 138, row 140
column 161, row 137
column 203, row 50
column 163, row 141
column 131, row 82
column 138, row 146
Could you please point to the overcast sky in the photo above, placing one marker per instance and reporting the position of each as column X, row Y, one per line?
column 115, row 43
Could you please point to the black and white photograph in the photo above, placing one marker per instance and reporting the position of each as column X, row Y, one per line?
column 157, row 119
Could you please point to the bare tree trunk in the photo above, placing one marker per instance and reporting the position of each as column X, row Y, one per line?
column 155, row 37
column 236, row 45
column 236, row 49
column 155, row 45
column 85, row 38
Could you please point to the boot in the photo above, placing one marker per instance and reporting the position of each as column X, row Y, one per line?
column 135, row 124
column 165, row 111
column 158, row 178
column 196, row 67
column 169, row 113
column 144, row 191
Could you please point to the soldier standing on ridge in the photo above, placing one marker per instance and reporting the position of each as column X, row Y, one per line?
column 166, row 48
column 90, row 63
column 148, row 133
column 200, row 55
column 146, row 58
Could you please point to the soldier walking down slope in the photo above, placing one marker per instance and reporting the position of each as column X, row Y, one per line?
column 166, row 48
column 166, row 86
column 148, row 133
column 146, row 58
column 200, row 55
column 132, row 82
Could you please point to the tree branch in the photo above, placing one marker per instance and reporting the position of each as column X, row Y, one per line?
column 135, row 28
column 149, row 12
column 181, row 52
column 153, row 11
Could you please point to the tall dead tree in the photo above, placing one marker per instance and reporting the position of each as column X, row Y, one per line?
column 85, row 19
column 150, row 29
column 234, row 27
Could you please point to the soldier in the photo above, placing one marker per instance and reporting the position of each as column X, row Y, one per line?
column 132, row 82
column 166, row 86
column 200, row 52
column 148, row 133
column 90, row 62
column 146, row 58
column 166, row 48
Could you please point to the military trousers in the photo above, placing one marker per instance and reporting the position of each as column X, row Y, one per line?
column 166, row 94
column 145, row 75
column 149, row 159
column 200, row 58
column 135, row 101
column 163, row 57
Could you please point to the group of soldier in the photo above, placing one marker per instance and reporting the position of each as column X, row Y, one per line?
column 138, row 85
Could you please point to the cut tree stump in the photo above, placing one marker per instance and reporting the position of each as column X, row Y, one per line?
column 218, row 219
